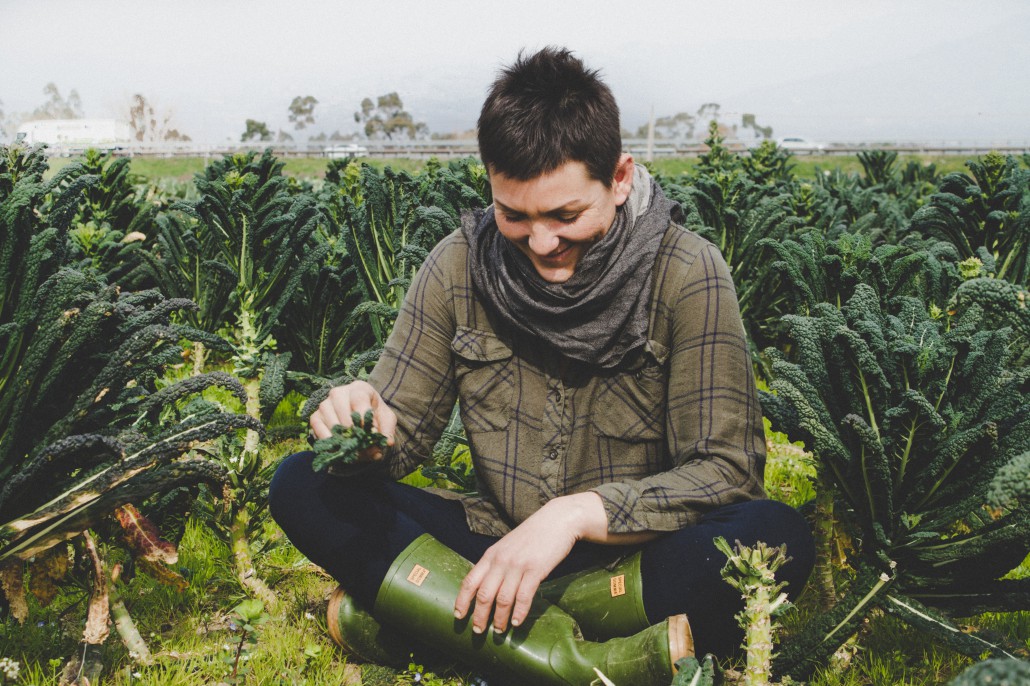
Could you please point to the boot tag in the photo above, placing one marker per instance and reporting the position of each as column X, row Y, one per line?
column 618, row 584
column 418, row 575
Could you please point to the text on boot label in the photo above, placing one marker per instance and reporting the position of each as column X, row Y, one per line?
column 418, row 575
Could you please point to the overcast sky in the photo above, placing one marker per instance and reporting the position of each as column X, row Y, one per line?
column 930, row 70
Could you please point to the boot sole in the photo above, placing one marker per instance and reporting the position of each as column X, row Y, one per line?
column 333, row 617
column 681, row 639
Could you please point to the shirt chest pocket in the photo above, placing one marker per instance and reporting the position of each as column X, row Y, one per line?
column 629, row 405
column 485, row 376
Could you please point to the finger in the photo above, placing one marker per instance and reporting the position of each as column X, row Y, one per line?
column 468, row 588
column 327, row 412
column 337, row 408
column 505, row 600
column 524, row 599
column 363, row 397
column 485, row 596
column 387, row 421
column 319, row 427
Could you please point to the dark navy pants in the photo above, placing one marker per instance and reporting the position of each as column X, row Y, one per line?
column 356, row 527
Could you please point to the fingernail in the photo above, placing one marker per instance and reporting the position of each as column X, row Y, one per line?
column 457, row 614
column 515, row 622
column 476, row 629
column 495, row 629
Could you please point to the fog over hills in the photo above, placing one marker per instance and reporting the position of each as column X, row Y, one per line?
column 921, row 70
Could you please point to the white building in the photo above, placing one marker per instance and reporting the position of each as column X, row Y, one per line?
column 68, row 136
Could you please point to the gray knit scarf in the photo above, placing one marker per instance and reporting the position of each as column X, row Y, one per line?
column 600, row 314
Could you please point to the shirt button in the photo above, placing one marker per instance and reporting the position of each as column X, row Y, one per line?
column 553, row 455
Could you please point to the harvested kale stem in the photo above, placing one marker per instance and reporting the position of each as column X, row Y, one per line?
column 346, row 443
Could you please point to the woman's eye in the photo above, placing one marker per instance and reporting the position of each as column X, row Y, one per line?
column 514, row 218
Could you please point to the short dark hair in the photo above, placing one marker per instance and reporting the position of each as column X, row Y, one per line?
column 545, row 110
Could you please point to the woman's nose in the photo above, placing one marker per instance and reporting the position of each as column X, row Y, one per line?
column 542, row 241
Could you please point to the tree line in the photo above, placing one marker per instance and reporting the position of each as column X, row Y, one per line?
column 384, row 117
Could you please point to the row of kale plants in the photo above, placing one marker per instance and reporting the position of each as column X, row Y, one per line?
column 149, row 339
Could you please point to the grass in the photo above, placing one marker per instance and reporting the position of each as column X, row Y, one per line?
column 180, row 169
column 807, row 166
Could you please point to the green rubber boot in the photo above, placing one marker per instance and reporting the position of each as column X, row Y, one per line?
column 605, row 601
column 417, row 597
column 358, row 633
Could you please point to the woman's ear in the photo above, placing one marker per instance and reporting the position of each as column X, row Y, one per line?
column 622, row 182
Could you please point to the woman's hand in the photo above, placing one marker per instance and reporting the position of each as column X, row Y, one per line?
column 359, row 397
column 506, row 578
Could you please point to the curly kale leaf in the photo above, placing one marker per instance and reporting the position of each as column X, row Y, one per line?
column 1011, row 484
column 346, row 443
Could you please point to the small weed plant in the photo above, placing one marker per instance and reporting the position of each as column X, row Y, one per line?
column 252, row 615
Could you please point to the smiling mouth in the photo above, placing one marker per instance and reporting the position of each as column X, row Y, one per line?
column 558, row 256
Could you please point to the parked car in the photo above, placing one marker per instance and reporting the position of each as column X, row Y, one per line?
column 345, row 150
column 800, row 143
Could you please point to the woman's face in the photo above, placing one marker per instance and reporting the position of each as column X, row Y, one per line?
column 554, row 218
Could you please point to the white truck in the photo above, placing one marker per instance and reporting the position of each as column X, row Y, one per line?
column 73, row 136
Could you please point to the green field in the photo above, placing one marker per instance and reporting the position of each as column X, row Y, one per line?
column 183, row 168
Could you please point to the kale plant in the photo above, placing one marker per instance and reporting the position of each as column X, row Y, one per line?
column 986, row 215
column 114, row 220
column 89, row 423
column 911, row 416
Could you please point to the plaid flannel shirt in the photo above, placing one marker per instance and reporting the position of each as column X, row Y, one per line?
column 674, row 431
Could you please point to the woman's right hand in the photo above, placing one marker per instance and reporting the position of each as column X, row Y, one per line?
column 358, row 396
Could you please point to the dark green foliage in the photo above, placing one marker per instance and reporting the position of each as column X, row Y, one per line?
column 1004, row 304
column 910, row 185
column 387, row 233
column 995, row 672
column 86, row 425
column 178, row 264
column 724, row 205
column 113, row 220
column 691, row 672
column 813, row 269
column 911, row 417
column 346, row 443
column 260, row 236
column 30, row 250
column 320, row 327
column 1010, row 487
column 841, row 202
column 988, row 212
column 382, row 226
column 273, row 384
column 768, row 163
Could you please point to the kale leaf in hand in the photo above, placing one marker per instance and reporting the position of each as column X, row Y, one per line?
column 345, row 443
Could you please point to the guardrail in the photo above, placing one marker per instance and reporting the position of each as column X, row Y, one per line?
column 466, row 148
